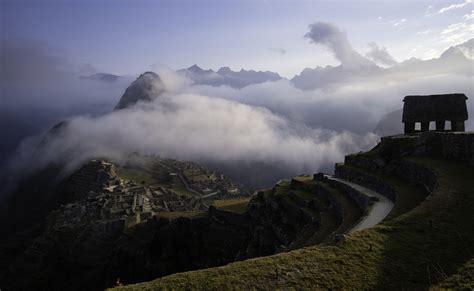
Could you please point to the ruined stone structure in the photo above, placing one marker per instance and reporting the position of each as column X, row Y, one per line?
column 438, row 108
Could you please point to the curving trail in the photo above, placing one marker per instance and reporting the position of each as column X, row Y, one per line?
column 377, row 212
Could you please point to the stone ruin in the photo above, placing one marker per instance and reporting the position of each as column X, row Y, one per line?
column 437, row 108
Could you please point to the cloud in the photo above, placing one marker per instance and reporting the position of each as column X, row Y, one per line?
column 399, row 22
column 380, row 55
column 280, row 51
column 469, row 16
column 454, row 6
column 194, row 127
column 336, row 40
column 39, row 88
column 457, row 33
column 33, row 75
column 429, row 11
column 424, row 32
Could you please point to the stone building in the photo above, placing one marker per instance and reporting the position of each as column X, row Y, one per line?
column 437, row 108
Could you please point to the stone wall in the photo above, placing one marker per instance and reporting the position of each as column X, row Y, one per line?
column 322, row 193
column 454, row 145
column 366, row 180
column 363, row 201
column 365, row 162
column 93, row 176
column 417, row 174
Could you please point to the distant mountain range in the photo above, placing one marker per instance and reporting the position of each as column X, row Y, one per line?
column 225, row 76
column 104, row 77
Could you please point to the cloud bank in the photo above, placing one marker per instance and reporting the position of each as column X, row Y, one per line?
column 194, row 127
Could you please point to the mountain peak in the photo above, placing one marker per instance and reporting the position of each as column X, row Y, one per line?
column 195, row 68
column 224, row 70
column 465, row 50
column 104, row 77
column 145, row 88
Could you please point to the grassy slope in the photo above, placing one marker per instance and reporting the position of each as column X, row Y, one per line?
column 237, row 205
column 462, row 279
column 406, row 252
column 138, row 176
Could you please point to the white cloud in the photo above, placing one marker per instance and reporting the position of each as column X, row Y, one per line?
column 457, row 33
column 454, row 6
column 336, row 40
column 469, row 16
column 429, row 11
column 399, row 22
column 192, row 126
column 423, row 32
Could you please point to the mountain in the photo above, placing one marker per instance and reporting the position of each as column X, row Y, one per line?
column 103, row 77
column 424, row 185
column 390, row 124
column 373, row 224
column 321, row 77
column 465, row 50
column 146, row 87
column 226, row 77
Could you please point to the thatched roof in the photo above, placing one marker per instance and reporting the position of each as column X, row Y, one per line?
column 435, row 107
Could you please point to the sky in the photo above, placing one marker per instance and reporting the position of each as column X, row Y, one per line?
column 127, row 37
